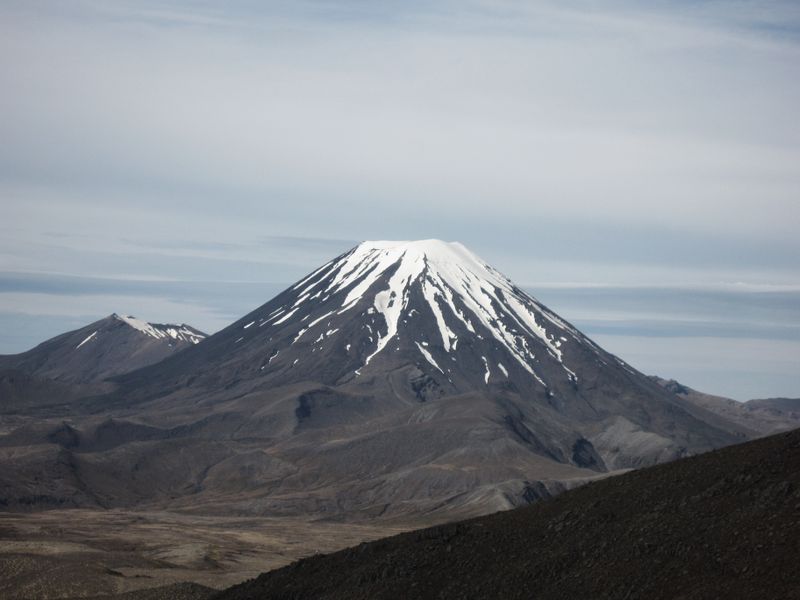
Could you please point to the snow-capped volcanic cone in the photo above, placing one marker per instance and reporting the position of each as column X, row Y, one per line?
column 111, row 346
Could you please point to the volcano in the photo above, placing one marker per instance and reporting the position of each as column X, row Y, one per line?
column 400, row 378
column 433, row 310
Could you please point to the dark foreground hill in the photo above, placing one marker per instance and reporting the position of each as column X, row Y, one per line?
column 722, row 525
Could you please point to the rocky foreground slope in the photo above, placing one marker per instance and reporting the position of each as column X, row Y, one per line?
column 722, row 525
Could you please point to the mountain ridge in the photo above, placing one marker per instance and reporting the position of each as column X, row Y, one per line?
column 761, row 416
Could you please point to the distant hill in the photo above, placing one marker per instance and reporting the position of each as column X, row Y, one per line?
column 111, row 346
column 762, row 417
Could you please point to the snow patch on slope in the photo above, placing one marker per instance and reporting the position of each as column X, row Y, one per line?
column 428, row 357
column 175, row 332
column 91, row 335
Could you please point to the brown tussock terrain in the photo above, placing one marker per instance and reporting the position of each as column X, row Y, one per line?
column 83, row 553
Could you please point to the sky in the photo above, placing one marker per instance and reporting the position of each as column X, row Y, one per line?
column 635, row 166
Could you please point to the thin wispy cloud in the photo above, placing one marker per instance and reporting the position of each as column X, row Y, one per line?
column 622, row 116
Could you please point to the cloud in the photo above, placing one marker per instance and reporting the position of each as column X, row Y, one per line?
column 624, row 116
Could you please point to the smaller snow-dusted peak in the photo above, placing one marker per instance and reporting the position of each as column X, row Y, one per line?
column 180, row 332
column 110, row 346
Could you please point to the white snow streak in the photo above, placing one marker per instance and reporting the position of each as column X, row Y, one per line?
column 393, row 301
column 86, row 340
column 444, row 331
column 428, row 357
column 285, row 317
column 486, row 364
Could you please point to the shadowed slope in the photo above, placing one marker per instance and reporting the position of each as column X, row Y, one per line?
column 722, row 525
